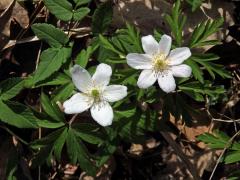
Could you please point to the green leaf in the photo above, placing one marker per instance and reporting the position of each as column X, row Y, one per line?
column 197, row 72
column 106, row 44
column 49, row 124
column 106, row 152
column 47, row 140
column 81, row 2
column 17, row 114
column 125, row 113
column 50, row 61
column 53, row 36
column 203, row 31
column 80, row 13
column 102, row 18
column 62, row 9
column 205, row 60
column 41, row 157
column 213, row 68
column 83, row 57
column 9, row 88
column 88, row 132
column 204, row 57
column 176, row 22
column 59, row 143
column 63, row 92
column 55, row 79
column 195, row 4
column 206, row 88
column 52, row 111
column 218, row 140
column 130, row 39
column 232, row 157
column 78, row 153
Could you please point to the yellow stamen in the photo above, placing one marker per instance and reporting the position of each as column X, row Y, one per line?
column 159, row 63
column 96, row 95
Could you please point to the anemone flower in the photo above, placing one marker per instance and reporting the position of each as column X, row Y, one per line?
column 95, row 93
column 160, row 63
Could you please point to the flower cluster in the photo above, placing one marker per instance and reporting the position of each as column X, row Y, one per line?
column 159, row 63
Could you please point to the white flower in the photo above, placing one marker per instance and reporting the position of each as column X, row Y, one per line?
column 159, row 63
column 95, row 93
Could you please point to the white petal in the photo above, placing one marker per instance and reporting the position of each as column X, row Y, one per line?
column 81, row 78
column 102, row 113
column 77, row 104
column 182, row 70
column 150, row 45
column 102, row 75
column 139, row 61
column 114, row 93
column 167, row 82
column 165, row 44
column 146, row 79
column 178, row 55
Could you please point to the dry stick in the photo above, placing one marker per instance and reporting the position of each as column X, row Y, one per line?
column 32, row 19
column 39, row 129
column 13, row 134
column 182, row 156
column 72, row 119
column 228, row 120
column 220, row 157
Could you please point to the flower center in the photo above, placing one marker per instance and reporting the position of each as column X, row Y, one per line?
column 159, row 63
column 95, row 93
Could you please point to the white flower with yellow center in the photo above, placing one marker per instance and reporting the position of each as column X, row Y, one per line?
column 95, row 93
column 159, row 63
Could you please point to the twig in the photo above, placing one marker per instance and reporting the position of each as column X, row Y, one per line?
column 32, row 20
column 72, row 119
column 225, row 148
column 228, row 120
column 182, row 156
column 13, row 134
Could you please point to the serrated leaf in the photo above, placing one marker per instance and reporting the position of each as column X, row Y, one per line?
column 47, row 140
column 102, row 18
column 50, row 124
column 106, row 44
column 17, row 115
column 52, row 111
column 232, row 157
column 53, row 36
column 81, row 2
column 89, row 133
column 78, row 153
column 204, row 57
column 206, row 88
column 203, row 31
column 125, row 113
column 80, row 13
column 213, row 68
column 41, row 157
column 176, row 22
column 197, row 72
column 63, row 92
column 83, row 57
column 50, row 61
column 194, row 95
column 59, row 143
column 55, row 79
column 62, row 9
column 195, row 4
column 9, row 88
